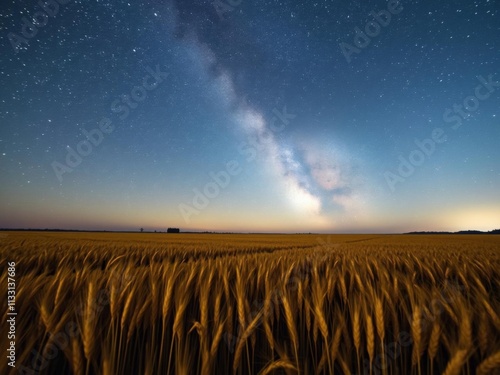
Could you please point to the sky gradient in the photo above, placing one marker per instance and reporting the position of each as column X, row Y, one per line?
column 243, row 115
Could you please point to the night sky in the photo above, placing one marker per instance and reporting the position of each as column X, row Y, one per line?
column 250, row 115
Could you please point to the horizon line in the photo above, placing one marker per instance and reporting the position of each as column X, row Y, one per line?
column 466, row 231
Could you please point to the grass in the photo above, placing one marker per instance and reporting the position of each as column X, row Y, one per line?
column 107, row 303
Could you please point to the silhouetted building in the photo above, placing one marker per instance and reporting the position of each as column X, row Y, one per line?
column 173, row 230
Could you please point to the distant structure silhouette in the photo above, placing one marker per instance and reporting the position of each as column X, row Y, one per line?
column 173, row 230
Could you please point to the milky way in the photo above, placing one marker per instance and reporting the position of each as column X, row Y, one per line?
column 250, row 115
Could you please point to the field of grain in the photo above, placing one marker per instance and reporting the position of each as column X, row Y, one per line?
column 109, row 303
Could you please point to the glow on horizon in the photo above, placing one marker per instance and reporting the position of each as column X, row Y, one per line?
column 237, row 215
column 474, row 218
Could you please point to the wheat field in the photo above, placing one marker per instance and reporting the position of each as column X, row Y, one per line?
column 124, row 303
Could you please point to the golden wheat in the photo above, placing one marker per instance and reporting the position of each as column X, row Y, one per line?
column 489, row 364
column 248, row 304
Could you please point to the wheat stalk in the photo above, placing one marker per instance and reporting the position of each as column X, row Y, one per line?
column 434, row 339
column 216, row 339
column 489, row 364
column 243, row 338
column 483, row 332
column 465, row 339
column 89, row 321
column 379, row 318
column 167, row 298
column 277, row 365
column 290, row 321
column 456, row 362
column 127, row 307
column 491, row 312
column 416, row 332
column 370, row 337
column 76, row 356
column 356, row 327
column 335, row 343
column 240, row 292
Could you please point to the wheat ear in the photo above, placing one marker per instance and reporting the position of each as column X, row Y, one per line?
column 489, row 364
column 456, row 362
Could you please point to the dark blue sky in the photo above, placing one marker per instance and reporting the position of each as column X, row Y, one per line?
column 250, row 115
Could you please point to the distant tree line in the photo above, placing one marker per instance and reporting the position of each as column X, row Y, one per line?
column 494, row 231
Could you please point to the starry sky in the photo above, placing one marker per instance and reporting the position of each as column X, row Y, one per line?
column 250, row 115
